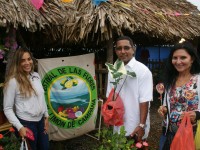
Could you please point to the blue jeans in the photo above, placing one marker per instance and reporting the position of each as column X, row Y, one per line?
column 162, row 141
column 41, row 141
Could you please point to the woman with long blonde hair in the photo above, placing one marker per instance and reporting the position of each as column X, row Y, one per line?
column 24, row 101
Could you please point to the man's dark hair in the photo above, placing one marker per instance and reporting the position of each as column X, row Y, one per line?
column 126, row 38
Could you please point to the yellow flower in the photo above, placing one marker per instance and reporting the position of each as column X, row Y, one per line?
column 69, row 84
column 75, row 82
column 189, row 94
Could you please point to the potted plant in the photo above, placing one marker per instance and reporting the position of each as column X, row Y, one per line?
column 113, row 108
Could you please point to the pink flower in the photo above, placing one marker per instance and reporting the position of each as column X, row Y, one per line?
column 71, row 115
column 1, row 56
column 145, row 143
column 1, row 148
column 14, row 46
column 138, row 145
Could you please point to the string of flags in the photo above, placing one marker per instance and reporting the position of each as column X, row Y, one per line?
column 169, row 13
column 97, row 2
column 38, row 4
column 67, row 1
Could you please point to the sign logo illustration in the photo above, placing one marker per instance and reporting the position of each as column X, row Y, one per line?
column 71, row 96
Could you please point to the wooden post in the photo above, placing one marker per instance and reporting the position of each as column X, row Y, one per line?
column 109, row 59
column 109, row 46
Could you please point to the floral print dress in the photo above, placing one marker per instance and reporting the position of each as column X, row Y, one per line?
column 183, row 98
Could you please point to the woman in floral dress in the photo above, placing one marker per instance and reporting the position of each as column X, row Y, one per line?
column 182, row 90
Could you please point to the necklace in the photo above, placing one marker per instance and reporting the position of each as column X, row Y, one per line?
column 182, row 80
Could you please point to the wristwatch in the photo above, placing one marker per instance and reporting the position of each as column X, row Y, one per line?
column 142, row 125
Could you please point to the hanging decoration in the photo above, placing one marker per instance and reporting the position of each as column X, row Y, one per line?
column 67, row 1
column 37, row 3
column 9, row 46
column 10, row 40
column 3, row 51
column 97, row 2
column 158, row 13
column 169, row 13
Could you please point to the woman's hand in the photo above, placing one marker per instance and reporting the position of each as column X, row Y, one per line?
column 162, row 110
column 192, row 115
column 22, row 132
column 46, row 125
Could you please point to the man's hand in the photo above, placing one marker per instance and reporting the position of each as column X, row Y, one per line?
column 139, row 132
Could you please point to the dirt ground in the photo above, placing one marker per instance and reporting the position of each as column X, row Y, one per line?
column 87, row 143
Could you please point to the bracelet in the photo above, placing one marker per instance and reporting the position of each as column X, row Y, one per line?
column 141, row 125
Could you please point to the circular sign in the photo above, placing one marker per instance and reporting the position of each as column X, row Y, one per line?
column 71, row 96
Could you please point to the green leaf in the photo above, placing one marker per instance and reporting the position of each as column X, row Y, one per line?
column 131, row 74
column 119, row 66
column 110, row 67
column 117, row 75
column 117, row 70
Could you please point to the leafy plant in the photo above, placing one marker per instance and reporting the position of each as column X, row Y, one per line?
column 8, row 140
column 115, row 141
column 117, row 71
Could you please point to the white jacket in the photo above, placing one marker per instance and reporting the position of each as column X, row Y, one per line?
column 26, row 108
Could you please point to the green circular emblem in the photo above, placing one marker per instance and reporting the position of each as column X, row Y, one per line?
column 71, row 96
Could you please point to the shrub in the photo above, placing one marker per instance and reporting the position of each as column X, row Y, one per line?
column 8, row 140
column 115, row 141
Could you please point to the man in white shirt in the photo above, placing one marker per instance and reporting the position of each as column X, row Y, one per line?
column 136, row 93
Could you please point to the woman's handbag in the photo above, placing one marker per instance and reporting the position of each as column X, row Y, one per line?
column 197, row 136
column 113, row 110
column 24, row 145
column 184, row 139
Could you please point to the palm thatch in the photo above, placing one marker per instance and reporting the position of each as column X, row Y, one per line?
column 82, row 21
column 166, row 19
column 23, row 13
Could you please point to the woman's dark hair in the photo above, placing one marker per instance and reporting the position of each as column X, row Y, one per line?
column 170, row 73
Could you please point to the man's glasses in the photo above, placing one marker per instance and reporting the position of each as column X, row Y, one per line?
column 126, row 48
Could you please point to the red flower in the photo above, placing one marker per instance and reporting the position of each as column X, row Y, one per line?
column 69, row 110
column 1, row 136
column 12, row 129
column 60, row 108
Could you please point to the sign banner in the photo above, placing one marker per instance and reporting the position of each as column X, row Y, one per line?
column 71, row 95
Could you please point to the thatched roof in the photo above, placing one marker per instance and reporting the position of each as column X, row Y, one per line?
column 23, row 13
column 166, row 19
column 82, row 21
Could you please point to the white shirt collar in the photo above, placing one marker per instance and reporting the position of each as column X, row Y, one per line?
column 131, row 63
